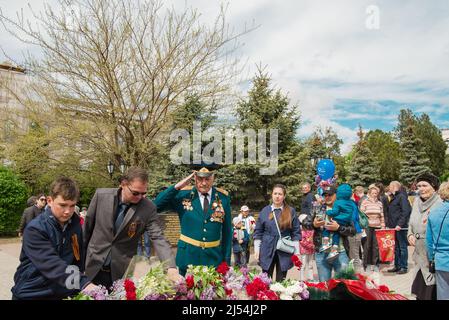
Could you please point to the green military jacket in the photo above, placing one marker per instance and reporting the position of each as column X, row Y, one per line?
column 199, row 226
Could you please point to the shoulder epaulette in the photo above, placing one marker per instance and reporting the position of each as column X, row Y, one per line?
column 222, row 191
column 187, row 188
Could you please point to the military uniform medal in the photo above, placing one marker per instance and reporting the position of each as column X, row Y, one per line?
column 132, row 229
column 217, row 206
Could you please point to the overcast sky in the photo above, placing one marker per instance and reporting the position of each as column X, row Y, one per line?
column 340, row 61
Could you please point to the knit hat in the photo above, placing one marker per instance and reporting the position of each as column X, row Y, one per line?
column 236, row 220
column 429, row 178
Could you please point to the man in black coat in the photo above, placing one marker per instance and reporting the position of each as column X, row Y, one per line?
column 399, row 211
column 307, row 199
column 32, row 212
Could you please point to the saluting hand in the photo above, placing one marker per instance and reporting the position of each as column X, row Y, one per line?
column 185, row 182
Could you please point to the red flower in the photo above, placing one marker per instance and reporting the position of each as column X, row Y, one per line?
column 131, row 296
column 384, row 289
column 223, row 268
column 267, row 295
column 228, row 291
column 296, row 261
column 130, row 289
column 253, row 288
column 190, row 282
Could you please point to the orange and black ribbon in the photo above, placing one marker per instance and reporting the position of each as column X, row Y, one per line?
column 75, row 247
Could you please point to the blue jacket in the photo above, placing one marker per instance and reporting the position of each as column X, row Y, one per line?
column 343, row 208
column 267, row 232
column 47, row 252
column 236, row 246
column 433, row 229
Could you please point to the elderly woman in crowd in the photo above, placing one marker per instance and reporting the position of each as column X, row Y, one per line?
column 428, row 200
column 373, row 208
column 438, row 243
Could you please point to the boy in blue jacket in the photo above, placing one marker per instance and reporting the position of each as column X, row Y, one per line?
column 51, row 260
column 342, row 212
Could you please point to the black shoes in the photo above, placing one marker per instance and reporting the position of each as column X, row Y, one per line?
column 395, row 269
column 402, row 271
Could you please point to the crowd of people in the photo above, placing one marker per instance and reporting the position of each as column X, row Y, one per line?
column 331, row 228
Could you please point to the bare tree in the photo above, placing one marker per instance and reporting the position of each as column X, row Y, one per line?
column 112, row 71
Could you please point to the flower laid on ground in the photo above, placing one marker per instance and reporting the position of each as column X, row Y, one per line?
column 130, row 289
column 205, row 283
column 100, row 293
column 155, row 285
column 291, row 290
column 200, row 283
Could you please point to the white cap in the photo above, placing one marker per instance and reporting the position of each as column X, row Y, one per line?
column 236, row 220
column 244, row 208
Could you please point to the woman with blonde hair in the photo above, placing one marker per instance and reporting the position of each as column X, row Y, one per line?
column 373, row 208
column 276, row 218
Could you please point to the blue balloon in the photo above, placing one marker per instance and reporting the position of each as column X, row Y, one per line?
column 325, row 169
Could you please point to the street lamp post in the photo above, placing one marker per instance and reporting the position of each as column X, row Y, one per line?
column 110, row 167
column 123, row 166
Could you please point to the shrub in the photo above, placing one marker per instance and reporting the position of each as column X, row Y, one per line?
column 13, row 195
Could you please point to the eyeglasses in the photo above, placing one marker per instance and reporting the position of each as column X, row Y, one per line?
column 136, row 193
column 43, row 199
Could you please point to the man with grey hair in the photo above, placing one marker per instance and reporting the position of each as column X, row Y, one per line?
column 307, row 199
column 399, row 211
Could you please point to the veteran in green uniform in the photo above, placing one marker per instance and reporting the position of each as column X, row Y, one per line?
column 205, row 218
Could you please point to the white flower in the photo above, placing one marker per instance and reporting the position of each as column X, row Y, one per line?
column 285, row 297
column 277, row 287
column 293, row 290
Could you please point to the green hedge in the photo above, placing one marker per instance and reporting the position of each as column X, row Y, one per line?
column 13, row 195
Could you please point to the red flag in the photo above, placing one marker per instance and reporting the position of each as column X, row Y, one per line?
column 385, row 242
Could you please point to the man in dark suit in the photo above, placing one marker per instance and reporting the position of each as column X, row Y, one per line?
column 32, row 212
column 399, row 211
column 115, row 221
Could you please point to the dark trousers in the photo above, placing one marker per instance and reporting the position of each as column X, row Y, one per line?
column 280, row 275
column 103, row 278
column 400, row 250
column 240, row 258
column 247, row 254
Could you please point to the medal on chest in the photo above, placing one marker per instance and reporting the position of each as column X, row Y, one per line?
column 187, row 203
column 219, row 213
column 132, row 229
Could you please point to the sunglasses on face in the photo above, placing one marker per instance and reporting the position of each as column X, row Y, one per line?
column 43, row 199
column 136, row 193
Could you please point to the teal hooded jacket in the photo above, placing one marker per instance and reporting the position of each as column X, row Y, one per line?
column 344, row 206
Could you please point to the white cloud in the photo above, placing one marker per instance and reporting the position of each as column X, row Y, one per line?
column 321, row 52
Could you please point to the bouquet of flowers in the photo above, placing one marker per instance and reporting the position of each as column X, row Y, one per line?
column 200, row 283
column 290, row 290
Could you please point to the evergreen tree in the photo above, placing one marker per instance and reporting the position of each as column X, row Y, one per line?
column 433, row 144
column 415, row 159
column 267, row 108
column 429, row 137
column 364, row 167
